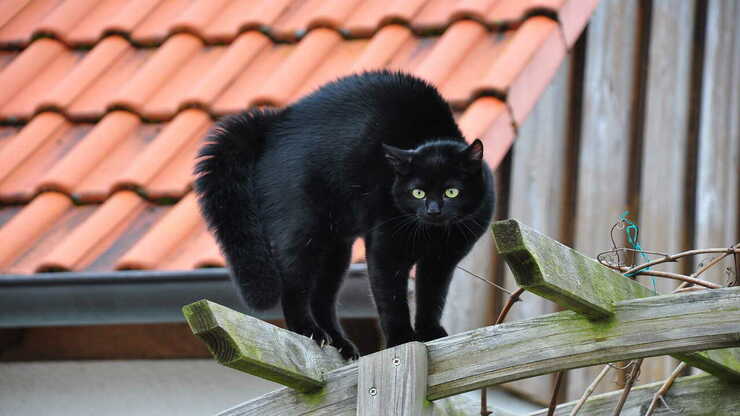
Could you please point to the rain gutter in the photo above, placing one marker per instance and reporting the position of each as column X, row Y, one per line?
column 139, row 296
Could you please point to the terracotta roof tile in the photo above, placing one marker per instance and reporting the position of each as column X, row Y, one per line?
column 146, row 22
column 104, row 103
column 526, row 65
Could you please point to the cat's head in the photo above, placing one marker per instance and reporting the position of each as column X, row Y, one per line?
column 440, row 182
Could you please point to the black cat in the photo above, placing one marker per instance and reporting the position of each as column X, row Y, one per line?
column 376, row 155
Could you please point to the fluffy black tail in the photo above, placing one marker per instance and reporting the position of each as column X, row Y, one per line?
column 231, row 208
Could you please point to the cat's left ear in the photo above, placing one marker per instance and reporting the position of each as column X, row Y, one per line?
column 398, row 158
column 474, row 155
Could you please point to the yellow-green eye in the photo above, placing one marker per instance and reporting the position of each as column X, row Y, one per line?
column 418, row 193
column 452, row 192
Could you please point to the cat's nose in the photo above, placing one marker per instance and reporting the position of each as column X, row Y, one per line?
column 433, row 209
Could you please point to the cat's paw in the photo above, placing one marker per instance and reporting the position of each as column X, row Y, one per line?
column 348, row 350
column 430, row 333
column 317, row 334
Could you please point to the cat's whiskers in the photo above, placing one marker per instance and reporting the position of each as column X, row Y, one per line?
column 397, row 217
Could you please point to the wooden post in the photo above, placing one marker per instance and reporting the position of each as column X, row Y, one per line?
column 394, row 382
column 574, row 281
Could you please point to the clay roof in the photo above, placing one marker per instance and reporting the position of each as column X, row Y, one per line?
column 104, row 103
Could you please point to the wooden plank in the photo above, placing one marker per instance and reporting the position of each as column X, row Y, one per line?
column 256, row 347
column 574, row 281
column 701, row 395
column 540, row 173
column 603, row 189
column 564, row 340
column 562, row 274
column 394, row 382
column 718, row 159
column 664, row 225
column 640, row 328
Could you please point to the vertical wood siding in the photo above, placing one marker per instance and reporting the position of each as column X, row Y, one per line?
column 656, row 117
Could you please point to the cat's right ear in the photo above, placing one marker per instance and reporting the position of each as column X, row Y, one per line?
column 399, row 159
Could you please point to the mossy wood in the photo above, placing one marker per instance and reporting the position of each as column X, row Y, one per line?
column 256, row 347
column 579, row 283
column 488, row 356
column 561, row 274
column 700, row 395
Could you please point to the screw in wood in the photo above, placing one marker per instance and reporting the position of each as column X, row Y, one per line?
column 396, row 361
column 373, row 391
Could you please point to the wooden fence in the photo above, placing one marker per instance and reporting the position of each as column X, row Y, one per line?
column 643, row 116
column 611, row 318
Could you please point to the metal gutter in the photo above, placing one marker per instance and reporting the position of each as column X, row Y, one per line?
column 140, row 296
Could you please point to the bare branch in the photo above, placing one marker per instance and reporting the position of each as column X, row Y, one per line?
column 664, row 388
column 590, row 390
column 627, row 387
column 668, row 275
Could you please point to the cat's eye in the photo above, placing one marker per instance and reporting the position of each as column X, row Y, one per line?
column 452, row 192
column 418, row 193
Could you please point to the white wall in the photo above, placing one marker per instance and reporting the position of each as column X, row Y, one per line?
column 112, row 388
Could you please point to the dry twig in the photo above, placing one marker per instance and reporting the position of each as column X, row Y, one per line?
column 628, row 387
column 664, row 388
column 505, row 311
column 668, row 275
column 512, row 299
column 590, row 390
column 555, row 391
column 674, row 257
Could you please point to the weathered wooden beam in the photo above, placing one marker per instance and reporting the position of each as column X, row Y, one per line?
column 394, row 382
column 577, row 282
column 700, row 395
column 512, row 351
column 259, row 348
column 561, row 274
column 644, row 327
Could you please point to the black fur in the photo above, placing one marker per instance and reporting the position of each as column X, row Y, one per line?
column 287, row 191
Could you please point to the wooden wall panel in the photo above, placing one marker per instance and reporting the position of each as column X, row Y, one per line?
column 539, row 196
column 718, row 164
column 604, row 166
column 666, row 142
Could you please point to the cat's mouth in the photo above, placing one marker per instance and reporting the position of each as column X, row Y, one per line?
column 434, row 219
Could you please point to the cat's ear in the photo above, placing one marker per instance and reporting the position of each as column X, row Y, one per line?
column 398, row 158
column 474, row 155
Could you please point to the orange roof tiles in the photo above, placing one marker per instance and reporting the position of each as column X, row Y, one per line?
column 105, row 102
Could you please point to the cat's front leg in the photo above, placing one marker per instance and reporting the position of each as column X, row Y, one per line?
column 389, row 283
column 433, row 277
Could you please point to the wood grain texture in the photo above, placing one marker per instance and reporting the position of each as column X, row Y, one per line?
column 718, row 160
column 701, row 395
column 639, row 328
column 256, row 347
column 664, row 225
column 603, row 189
column 498, row 354
column 394, row 382
column 538, row 197
column 562, row 274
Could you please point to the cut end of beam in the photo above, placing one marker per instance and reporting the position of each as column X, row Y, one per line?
column 556, row 272
column 256, row 347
